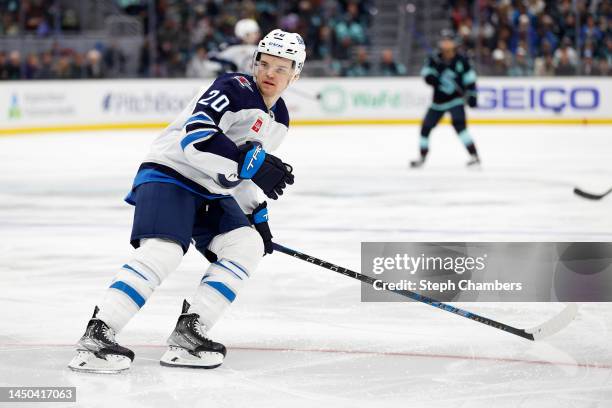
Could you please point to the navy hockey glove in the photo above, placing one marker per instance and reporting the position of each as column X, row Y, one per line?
column 432, row 80
column 259, row 219
column 267, row 171
column 472, row 101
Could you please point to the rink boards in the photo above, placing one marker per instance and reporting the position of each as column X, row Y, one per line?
column 34, row 106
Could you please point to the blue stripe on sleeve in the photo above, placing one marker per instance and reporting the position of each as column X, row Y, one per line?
column 428, row 71
column 130, row 291
column 221, row 288
column 195, row 136
column 469, row 77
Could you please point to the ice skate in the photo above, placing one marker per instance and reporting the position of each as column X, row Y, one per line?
column 98, row 352
column 474, row 161
column 188, row 345
column 415, row 164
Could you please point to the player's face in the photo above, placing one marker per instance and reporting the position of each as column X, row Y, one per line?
column 447, row 48
column 273, row 74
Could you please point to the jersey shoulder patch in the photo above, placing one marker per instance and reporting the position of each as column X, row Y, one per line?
column 236, row 84
column 244, row 82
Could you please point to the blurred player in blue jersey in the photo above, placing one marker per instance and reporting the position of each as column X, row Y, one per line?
column 454, row 82
column 200, row 184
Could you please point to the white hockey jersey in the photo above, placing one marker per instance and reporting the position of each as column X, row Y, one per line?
column 240, row 55
column 199, row 150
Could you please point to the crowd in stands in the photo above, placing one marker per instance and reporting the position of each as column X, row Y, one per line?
column 504, row 37
column 536, row 37
column 44, row 19
column 333, row 30
column 108, row 62
column 186, row 33
column 38, row 17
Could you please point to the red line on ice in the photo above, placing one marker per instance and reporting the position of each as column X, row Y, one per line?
column 358, row 352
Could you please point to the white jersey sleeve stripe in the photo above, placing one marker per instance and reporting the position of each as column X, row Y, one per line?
column 200, row 117
column 202, row 121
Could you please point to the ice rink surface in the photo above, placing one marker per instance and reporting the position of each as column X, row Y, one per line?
column 298, row 335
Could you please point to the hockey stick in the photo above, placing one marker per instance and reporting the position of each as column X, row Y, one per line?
column 548, row 328
column 591, row 196
column 305, row 94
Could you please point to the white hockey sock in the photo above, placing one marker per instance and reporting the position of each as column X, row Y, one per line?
column 153, row 261
column 238, row 254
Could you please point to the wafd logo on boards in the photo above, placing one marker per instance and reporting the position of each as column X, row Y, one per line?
column 337, row 99
column 14, row 111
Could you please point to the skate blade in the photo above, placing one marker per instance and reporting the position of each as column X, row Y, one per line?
column 474, row 164
column 180, row 357
column 416, row 164
column 86, row 362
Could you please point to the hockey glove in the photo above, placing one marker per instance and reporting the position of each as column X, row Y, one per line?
column 432, row 80
column 472, row 101
column 267, row 171
column 252, row 157
column 259, row 219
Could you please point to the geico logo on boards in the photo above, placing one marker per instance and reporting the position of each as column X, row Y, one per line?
column 554, row 98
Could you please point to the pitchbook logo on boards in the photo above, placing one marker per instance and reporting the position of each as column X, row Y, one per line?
column 144, row 102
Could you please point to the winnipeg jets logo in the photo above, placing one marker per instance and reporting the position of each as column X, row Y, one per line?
column 228, row 181
column 243, row 82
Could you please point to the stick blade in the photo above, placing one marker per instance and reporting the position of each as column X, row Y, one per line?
column 590, row 196
column 556, row 323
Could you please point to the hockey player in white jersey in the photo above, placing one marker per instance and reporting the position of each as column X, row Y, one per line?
column 200, row 184
column 239, row 57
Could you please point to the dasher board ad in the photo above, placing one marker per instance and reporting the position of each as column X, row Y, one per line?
column 488, row 271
